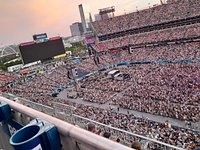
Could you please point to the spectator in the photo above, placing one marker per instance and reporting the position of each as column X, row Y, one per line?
column 106, row 135
column 136, row 145
column 91, row 128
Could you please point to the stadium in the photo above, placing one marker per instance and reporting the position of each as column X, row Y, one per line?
column 139, row 83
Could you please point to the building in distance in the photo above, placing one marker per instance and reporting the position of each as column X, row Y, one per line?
column 76, row 29
column 86, row 18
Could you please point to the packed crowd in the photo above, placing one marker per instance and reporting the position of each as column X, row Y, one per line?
column 177, row 90
column 175, row 94
column 93, row 92
column 6, row 77
column 180, row 137
column 188, row 31
column 178, row 87
column 5, row 80
column 183, row 51
column 96, row 96
column 176, row 136
column 179, row 9
column 170, row 90
column 165, row 89
column 169, row 52
column 106, row 83
column 87, row 64
column 172, row 135
column 40, row 86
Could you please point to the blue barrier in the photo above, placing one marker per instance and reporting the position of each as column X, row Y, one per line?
column 9, row 126
column 163, row 61
column 37, row 135
column 5, row 112
column 26, row 138
column 102, row 69
column 122, row 63
column 185, row 61
column 148, row 62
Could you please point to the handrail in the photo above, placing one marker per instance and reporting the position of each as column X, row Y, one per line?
column 74, row 116
column 67, row 130
column 130, row 133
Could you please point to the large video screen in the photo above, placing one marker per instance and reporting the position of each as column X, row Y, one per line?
column 31, row 52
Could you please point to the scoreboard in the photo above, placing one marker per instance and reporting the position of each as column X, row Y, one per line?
column 33, row 51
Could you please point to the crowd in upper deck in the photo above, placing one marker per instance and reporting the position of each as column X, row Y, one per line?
column 180, row 9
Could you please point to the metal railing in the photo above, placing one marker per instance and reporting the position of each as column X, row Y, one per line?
column 71, row 136
column 65, row 112
column 125, row 136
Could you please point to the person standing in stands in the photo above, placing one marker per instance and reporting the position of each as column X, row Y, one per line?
column 92, row 128
column 136, row 145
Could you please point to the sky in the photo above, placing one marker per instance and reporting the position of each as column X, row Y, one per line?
column 20, row 19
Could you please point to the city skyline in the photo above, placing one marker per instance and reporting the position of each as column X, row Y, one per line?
column 21, row 19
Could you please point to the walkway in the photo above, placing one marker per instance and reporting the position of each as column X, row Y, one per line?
column 156, row 118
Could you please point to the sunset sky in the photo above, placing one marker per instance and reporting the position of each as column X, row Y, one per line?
column 20, row 19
